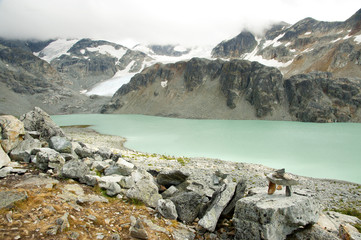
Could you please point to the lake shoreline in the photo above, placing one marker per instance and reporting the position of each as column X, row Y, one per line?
column 334, row 194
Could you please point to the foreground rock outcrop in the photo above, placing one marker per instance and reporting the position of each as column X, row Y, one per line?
column 263, row 216
column 209, row 196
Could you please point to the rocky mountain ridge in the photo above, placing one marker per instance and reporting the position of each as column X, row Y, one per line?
column 237, row 89
column 306, row 46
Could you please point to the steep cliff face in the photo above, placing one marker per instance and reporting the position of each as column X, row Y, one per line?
column 307, row 46
column 237, row 89
column 202, row 88
column 319, row 97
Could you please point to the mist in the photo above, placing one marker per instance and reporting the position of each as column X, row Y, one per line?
column 186, row 22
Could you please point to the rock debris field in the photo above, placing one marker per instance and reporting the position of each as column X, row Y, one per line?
column 74, row 183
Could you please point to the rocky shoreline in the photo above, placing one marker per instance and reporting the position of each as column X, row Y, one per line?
column 209, row 198
column 335, row 194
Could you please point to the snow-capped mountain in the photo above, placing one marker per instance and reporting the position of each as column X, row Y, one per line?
column 309, row 45
column 101, row 67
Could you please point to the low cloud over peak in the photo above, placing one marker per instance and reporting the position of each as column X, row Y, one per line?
column 185, row 22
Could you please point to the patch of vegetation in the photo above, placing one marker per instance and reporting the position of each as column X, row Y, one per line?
column 136, row 202
column 351, row 212
column 358, row 227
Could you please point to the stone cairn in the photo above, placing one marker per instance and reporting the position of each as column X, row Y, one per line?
column 279, row 177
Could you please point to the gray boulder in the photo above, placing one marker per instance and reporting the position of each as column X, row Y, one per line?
column 38, row 120
column 169, row 192
column 75, row 169
column 137, row 229
column 83, row 152
column 48, row 158
column 99, row 165
column 239, row 193
column 188, row 205
column 121, row 167
column 60, row 144
column 221, row 197
column 105, row 153
column 12, row 132
column 91, row 180
column 111, row 184
column 5, row 171
column 173, row 177
column 167, row 209
column 23, row 151
column 4, row 158
column 145, row 189
column 263, row 216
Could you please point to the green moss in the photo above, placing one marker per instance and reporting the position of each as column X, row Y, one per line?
column 351, row 212
column 136, row 202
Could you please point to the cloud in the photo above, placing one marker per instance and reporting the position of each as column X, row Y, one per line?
column 187, row 22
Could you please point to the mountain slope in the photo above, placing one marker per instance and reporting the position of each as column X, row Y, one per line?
column 202, row 88
column 27, row 81
column 237, row 89
column 309, row 45
column 84, row 63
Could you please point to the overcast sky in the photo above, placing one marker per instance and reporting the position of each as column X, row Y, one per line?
column 185, row 22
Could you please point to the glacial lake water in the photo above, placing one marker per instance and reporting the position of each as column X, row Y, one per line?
column 329, row 150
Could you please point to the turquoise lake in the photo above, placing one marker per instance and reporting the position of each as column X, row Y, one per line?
column 329, row 150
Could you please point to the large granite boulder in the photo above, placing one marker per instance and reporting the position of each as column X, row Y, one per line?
column 60, row 144
column 22, row 152
column 4, row 158
column 219, row 201
column 12, row 132
column 263, row 216
column 167, row 209
column 111, row 184
column 75, row 169
column 46, row 158
column 121, row 167
column 144, row 189
column 188, row 205
column 39, row 120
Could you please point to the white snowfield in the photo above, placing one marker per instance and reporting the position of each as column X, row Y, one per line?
column 56, row 49
column 110, row 86
column 358, row 39
column 109, row 50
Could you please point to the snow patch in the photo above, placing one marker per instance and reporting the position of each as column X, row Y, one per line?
column 347, row 37
column 107, row 49
column 287, row 44
column 56, row 49
column 268, row 62
column 307, row 33
column 82, row 51
column 110, row 86
column 272, row 42
column 164, row 83
column 336, row 40
column 180, row 48
column 358, row 39
column 307, row 50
